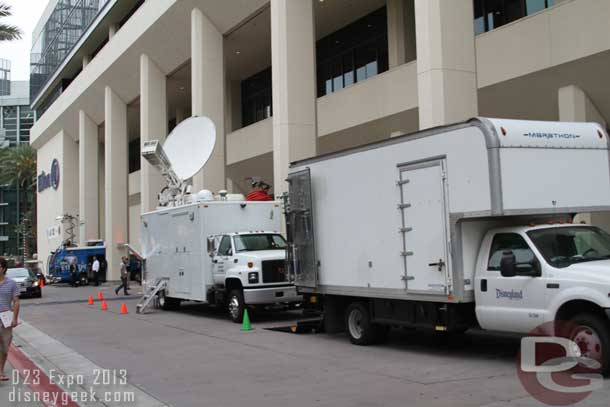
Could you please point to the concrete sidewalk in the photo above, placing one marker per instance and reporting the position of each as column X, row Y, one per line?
column 14, row 393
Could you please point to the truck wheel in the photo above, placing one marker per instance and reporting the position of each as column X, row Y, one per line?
column 83, row 280
column 358, row 325
column 167, row 303
column 236, row 306
column 592, row 334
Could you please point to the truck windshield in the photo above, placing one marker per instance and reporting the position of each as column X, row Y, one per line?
column 564, row 246
column 250, row 243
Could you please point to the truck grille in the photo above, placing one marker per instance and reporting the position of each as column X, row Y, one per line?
column 274, row 271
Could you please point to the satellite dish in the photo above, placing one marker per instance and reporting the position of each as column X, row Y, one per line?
column 190, row 145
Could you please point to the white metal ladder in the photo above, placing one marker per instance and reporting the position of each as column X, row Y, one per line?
column 150, row 294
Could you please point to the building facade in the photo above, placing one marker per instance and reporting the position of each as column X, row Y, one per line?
column 284, row 80
column 16, row 120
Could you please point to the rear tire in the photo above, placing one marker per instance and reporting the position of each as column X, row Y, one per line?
column 83, row 280
column 359, row 328
column 167, row 303
column 236, row 305
column 592, row 334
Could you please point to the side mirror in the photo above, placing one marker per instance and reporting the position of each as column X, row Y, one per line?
column 508, row 264
column 230, row 252
column 211, row 246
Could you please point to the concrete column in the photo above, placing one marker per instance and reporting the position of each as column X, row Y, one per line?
column 294, row 86
column 576, row 106
column 207, row 65
column 396, row 32
column 88, row 199
column 153, row 126
column 446, row 66
column 116, row 182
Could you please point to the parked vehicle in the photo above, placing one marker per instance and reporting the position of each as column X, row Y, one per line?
column 82, row 257
column 457, row 227
column 37, row 268
column 27, row 281
column 226, row 253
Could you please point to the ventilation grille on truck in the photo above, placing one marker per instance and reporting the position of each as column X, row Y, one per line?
column 274, row 271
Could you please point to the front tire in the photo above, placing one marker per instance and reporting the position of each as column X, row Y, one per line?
column 167, row 303
column 359, row 328
column 236, row 305
column 592, row 334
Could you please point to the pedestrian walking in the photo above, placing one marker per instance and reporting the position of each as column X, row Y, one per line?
column 9, row 301
column 95, row 267
column 124, row 277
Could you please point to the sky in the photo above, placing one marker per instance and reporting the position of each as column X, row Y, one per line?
column 25, row 15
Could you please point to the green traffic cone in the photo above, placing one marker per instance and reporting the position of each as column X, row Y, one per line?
column 245, row 326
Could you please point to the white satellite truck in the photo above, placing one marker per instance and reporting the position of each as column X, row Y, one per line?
column 216, row 250
column 457, row 227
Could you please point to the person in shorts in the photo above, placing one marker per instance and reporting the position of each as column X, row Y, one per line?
column 9, row 301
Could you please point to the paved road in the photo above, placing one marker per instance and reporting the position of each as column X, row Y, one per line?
column 197, row 357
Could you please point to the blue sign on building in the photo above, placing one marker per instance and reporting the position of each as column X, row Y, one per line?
column 50, row 180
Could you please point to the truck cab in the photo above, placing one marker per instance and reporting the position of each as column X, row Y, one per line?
column 529, row 275
column 248, row 269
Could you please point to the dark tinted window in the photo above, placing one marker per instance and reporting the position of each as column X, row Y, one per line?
column 564, row 246
column 225, row 246
column 509, row 241
column 491, row 14
column 353, row 53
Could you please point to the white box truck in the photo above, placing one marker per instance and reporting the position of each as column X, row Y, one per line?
column 456, row 227
column 228, row 253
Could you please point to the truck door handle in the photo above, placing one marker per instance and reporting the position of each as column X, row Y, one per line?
column 214, row 261
column 440, row 264
column 483, row 285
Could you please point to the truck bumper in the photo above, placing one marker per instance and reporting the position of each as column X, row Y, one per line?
column 271, row 295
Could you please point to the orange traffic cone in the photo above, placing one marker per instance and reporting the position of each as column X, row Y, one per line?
column 100, row 296
column 124, row 309
column 90, row 302
column 41, row 282
column 104, row 305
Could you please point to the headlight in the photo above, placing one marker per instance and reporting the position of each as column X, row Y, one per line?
column 35, row 284
column 253, row 277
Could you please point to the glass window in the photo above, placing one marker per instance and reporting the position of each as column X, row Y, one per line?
column 248, row 243
column 256, row 98
column 17, row 273
column 225, row 246
column 134, row 155
column 534, row 6
column 490, row 14
column 353, row 53
column 509, row 241
column 564, row 246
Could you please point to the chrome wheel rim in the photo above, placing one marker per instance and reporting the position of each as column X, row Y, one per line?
column 589, row 342
column 354, row 323
column 234, row 307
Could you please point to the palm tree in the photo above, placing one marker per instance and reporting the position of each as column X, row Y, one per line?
column 18, row 168
column 8, row 32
